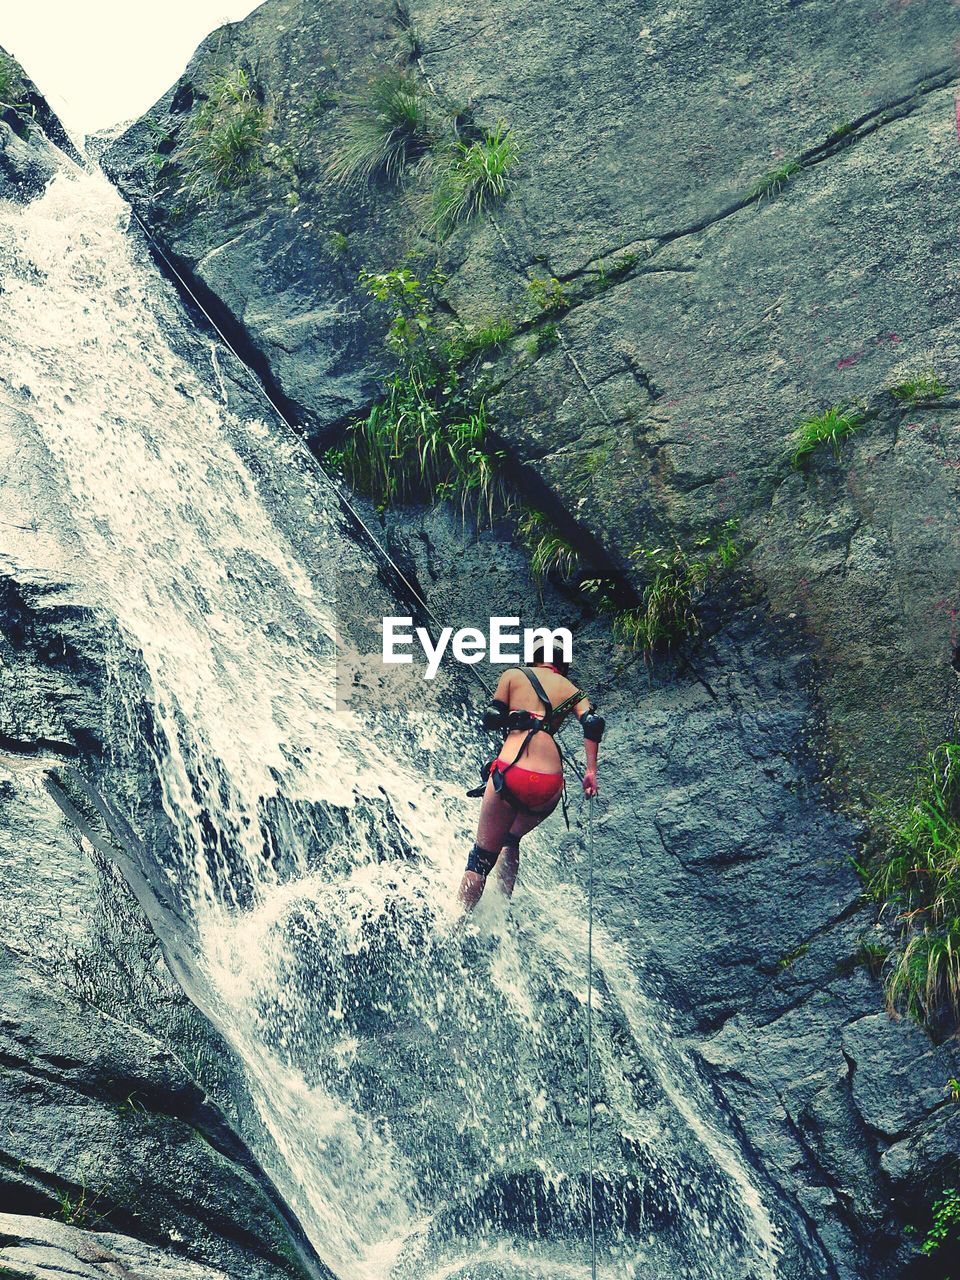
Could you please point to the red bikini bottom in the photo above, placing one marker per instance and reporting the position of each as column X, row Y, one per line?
column 531, row 788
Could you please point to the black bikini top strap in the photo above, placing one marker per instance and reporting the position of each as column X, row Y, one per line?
column 538, row 689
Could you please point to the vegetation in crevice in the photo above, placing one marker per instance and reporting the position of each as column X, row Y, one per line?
column 920, row 388
column 428, row 437
column 549, row 551
column 225, row 142
column 943, row 1236
column 831, row 427
column 385, row 127
column 396, row 125
column 676, row 578
column 772, row 183
column 914, row 872
column 9, row 79
column 469, row 177
column 548, row 294
column 544, row 338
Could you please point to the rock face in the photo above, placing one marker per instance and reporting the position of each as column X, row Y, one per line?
column 780, row 177
column 33, row 142
column 723, row 870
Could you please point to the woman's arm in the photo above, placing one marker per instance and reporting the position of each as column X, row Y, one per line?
column 593, row 727
column 495, row 716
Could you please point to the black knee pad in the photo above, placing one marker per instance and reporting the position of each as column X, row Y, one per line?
column 481, row 860
column 511, row 842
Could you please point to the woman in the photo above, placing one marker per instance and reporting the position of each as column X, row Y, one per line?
column 526, row 780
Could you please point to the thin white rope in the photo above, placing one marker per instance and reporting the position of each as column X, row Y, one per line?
column 593, row 1231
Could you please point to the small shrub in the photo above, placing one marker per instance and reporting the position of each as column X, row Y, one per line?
column 9, row 79
column 608, row 273
column 225, row 139
column 677, row 578
column 921, row 387
column 549, row 295
column 471, row 176
column 830, row 427
column 409, row 299
column 339, row 242
column 385, row 128
column 549, row 550
column 916, row 871
column 773, row 182
column 409, row 449
column 945, row 1228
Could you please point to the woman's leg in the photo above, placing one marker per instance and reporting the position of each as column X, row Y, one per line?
column 496, row 819
column 508, row 864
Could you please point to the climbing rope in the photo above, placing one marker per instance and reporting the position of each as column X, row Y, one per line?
column 590, row 1159
column 314, row 463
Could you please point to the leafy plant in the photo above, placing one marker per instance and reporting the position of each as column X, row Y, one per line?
column 945, row 1228
column 409, row 299
column 427, row 438
column 386, row 126
column 549, row 550
column 916, row 871
column 774, row 181
column 9, row 78
column 608, row 273
column 80, row 1209
column 225, row 138
column 544, row 338
column 830, row 427
column 548, row 294
column 471, row 176
column 953, row 1088
column 676, row 578
column 921, row 387
column 339, row 242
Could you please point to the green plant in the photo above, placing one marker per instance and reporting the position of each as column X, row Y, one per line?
column 953, row 1088
column 831, row 427
column 920, row 387
column 548, row 294
column 797, row 953
column 339, row 242
column 411, row 447
column 544, row 338
column 9, row 77
column 549, row 550
column 945, row 1228
column 774, row 181
column 916, row 871
column 225, row 138
column 386, row 126
column 608, row 273
column 839, row 131
column 489, row 335
column 676, row 578
column 471, row 176
column 79, row 1210
column 409, row 299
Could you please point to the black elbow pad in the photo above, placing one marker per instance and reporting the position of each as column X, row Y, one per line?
column 593, row 726
column 495, row 716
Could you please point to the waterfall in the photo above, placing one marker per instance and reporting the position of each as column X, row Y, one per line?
column 423, row 1088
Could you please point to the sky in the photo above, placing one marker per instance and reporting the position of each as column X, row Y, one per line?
column 99, row 62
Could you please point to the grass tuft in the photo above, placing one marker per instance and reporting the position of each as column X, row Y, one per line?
column 677, row 578
column 773, row 182
column 549, row 551
column 386, row 126
column 920, row 388
column 917, row 873
column 9, row 78
column 225, row 138
column 830, row 427
column 469, row 177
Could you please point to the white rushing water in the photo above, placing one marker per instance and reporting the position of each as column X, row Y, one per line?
column 423, row 1090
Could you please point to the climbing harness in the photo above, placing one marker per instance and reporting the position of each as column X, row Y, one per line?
column 590, row 1023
